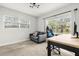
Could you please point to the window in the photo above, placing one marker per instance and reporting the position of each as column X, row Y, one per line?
column 60, row 24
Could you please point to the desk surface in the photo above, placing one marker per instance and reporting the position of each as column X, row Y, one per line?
column 65, row 39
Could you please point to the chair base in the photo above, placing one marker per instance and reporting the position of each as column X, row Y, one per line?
column 55, row 48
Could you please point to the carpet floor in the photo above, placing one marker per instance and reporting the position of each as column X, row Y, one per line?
column 29, row 48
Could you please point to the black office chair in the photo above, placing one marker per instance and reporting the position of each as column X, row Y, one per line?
column 49, row 31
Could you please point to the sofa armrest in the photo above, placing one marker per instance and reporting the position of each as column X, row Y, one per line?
column 42, row 37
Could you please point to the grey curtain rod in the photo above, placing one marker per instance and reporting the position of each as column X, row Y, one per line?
column 57, row 14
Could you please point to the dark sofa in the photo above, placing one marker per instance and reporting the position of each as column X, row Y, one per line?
column 38, row 37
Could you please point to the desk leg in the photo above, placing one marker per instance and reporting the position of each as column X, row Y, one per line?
column 76, row 54
column 49, row 48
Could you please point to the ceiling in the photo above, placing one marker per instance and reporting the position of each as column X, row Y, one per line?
column 44, row 7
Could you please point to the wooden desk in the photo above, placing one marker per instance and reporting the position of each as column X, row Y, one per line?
column 65, row 41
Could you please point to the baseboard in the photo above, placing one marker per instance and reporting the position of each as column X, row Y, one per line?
column 13, row 42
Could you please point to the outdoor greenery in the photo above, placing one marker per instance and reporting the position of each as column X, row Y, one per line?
column 60, row 26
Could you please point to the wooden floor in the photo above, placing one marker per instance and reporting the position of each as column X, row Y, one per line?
column 29, row 48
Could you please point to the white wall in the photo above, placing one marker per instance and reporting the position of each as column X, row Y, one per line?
column 63, row 9
column 13, row 35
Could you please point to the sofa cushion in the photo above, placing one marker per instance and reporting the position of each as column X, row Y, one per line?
column 35, row 34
